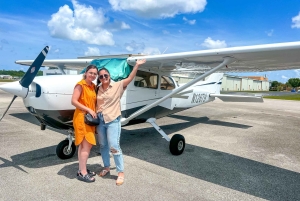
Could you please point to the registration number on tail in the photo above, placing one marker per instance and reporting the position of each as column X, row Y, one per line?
column 199, row 98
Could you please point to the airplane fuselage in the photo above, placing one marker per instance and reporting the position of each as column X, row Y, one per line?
column 49, row 98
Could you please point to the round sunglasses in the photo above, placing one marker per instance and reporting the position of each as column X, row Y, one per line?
column 104, row 75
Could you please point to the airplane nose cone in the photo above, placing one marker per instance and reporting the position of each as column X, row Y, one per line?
column 15, row 88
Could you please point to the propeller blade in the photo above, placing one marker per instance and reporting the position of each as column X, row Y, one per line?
column 21, row 88
column 34, row 68
column 8, row 106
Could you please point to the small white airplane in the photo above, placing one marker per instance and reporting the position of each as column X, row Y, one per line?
column 154, row 93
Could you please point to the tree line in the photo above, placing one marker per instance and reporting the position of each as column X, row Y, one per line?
column 291, row 83
column 15, row 73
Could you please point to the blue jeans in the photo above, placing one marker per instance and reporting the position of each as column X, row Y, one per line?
column 109, row 138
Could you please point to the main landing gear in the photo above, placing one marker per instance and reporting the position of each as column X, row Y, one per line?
column 176, row 143
column 66, row 148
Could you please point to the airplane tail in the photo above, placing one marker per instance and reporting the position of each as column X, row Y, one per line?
column 213, row 83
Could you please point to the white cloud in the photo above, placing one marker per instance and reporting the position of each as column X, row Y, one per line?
column 83, row 24
column 56, row 51
column 129, row 48
column 134, row 46
column 124, row 26
column 213, row 44
column 191, row 22
column 284, row 77
column 151, row 51
column 270, row 33
column 297, row 72
column 92, row 51
column 158, row 8
column 117, row 25
column 296, row 21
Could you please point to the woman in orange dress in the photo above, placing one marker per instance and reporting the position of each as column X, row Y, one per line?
column 84, row 99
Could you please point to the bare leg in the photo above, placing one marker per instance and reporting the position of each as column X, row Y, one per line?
column 121, row 174
column 78, row 154
column 83, row 155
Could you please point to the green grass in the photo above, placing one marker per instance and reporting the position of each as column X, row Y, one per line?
column 224, row 92
column 295, row 97
column 4, row 80
column 256, row 91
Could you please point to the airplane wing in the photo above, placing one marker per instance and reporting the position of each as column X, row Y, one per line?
column 60, row 63
column 268, row 57
column 79, row 64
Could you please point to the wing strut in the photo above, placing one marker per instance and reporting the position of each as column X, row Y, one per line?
column 61, row 70
column 226, row 61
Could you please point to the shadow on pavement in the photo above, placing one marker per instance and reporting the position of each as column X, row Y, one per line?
column 227, row 170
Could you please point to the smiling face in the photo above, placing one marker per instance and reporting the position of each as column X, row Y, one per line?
column 91, row 75
column 104, row 76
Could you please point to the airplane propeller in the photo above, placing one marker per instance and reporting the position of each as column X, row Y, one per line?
column 21, row 88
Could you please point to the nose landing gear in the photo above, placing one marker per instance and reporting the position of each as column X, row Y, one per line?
column 66, row 148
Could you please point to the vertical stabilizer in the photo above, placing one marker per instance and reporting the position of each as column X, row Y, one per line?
column 212, row 83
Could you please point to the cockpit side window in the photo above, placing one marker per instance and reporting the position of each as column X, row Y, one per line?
column 146, row 80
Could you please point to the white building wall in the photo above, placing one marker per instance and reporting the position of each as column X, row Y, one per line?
column 224, row 84
column 230, row 84
column 244, row 84
column 237, row 84
column 250, row 85
column 265, row 85
column 234, row 83
column 256, row 85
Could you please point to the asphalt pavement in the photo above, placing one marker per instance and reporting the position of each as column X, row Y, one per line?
column 234, row 151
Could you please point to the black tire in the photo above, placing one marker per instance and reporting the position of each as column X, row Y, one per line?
column 61, row 150
column 177, row 144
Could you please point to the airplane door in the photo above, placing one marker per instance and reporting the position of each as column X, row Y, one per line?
column 143, row 90
column 166, row 86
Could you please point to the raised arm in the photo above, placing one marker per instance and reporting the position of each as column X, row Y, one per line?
column 133, row 72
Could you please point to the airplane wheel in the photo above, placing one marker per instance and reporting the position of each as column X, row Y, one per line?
column 177, row 144
column 62, row 150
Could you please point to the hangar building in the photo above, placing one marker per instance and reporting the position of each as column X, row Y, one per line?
column 232, row 82
column 249, row 83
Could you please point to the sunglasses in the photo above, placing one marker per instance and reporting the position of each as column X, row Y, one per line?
column 104, row 75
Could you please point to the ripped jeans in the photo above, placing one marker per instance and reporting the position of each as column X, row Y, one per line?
column 109, row 138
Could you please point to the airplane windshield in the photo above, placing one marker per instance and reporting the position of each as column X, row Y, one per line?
column 166, row 83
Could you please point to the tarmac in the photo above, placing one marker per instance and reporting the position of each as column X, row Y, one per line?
column 234, row 151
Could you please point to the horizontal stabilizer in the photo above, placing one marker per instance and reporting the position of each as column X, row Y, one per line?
column 237, row 98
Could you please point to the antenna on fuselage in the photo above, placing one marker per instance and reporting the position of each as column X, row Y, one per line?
column 165, row 50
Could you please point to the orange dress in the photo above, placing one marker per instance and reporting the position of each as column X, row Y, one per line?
column 88, row 99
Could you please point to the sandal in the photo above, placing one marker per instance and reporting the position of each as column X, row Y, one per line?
column 120, row 181
column 89, row 172
column 103, row 173
column 86, row 178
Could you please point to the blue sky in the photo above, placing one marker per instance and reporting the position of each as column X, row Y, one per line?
column 90, row 27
